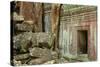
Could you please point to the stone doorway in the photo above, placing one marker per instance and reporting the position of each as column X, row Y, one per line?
column 82, row 42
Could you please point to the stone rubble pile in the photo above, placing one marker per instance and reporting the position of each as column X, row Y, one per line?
column 31, row 48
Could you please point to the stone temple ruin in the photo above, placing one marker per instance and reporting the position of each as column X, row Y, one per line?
column 50, row 33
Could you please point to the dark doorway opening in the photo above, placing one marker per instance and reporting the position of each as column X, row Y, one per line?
column 82, row 41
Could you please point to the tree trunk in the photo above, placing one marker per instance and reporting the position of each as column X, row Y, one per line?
column 55, row 16
column 38, row 17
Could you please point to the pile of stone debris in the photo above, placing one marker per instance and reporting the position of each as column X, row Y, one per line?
column 33, row 48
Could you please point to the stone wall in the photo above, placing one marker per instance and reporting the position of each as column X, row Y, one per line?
column 70, row 25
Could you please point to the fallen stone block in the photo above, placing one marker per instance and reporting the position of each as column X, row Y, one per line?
column 22, row 42
column 17, row 17
column 17, row 63
column 38, row 61
column 26, row 40
column 44, row 40
column 24, row 27
column 21, row 56
column 39, row 52
column 54, row 55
